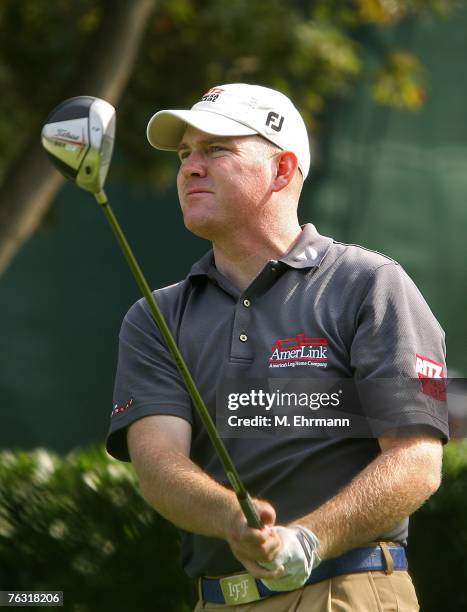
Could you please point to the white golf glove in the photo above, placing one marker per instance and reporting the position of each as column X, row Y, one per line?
column 298, row 555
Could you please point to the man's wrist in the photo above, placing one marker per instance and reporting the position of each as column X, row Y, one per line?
column 224, row 520
column 309, row 541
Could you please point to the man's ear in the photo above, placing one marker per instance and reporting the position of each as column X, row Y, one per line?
column 286, row 168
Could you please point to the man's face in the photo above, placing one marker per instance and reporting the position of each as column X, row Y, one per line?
column 222, row 181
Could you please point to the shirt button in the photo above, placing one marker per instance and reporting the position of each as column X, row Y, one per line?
column 246, row 303
column 243, row 337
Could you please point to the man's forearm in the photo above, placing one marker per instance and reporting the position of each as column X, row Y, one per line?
column 181, row 492
column 388, row 490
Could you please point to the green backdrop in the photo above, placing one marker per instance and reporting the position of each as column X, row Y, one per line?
column 389, row 180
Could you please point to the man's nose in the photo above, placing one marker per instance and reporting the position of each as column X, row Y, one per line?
column 194, row 164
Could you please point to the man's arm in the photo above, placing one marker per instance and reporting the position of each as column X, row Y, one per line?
column 390, row 488
column 185, row 495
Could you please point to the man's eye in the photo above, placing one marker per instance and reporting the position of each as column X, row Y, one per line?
column 183, row 155
column 216, row 149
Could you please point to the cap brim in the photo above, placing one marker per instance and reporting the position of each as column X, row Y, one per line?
column 166, row 128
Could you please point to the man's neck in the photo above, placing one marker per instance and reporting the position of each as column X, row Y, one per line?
column 242, row 261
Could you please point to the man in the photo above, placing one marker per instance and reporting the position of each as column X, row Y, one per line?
column 335, row 509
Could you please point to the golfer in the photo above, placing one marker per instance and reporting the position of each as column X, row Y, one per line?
column 274, row 300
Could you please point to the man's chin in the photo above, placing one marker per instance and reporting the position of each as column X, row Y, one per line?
column 203, row 228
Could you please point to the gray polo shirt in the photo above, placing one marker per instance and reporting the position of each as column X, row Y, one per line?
column 367, row 320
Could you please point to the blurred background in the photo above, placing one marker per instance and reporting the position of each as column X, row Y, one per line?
column 381, row 84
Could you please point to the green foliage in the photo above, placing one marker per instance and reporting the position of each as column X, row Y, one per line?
column 400, row 82
column 39, row 43
column 379, row 12
column 307, row 49
column 78, row 525
column 438, row 538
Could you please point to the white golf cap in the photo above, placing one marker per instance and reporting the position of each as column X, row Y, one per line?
column 236, row 109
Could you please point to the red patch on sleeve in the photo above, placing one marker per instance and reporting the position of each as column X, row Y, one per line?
column 431, row 374
column 122, row 408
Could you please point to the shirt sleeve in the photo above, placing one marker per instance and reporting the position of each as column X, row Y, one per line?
column 147, row 380
column 398, row 356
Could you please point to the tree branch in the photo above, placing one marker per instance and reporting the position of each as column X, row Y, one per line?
column 103, row 70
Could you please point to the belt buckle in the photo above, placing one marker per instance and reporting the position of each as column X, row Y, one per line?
column 239, row 589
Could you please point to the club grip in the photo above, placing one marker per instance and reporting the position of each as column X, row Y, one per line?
column 250, row 512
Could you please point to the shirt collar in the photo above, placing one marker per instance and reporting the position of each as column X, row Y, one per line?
column 203, row 266
column 308, row 252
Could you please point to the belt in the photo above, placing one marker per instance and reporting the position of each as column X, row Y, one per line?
column 243, row 588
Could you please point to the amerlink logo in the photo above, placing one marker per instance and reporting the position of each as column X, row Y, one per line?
column 212, row 94
column 299, row 351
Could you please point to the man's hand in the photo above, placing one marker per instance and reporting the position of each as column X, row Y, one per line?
column 298, row 556
column 255, row 548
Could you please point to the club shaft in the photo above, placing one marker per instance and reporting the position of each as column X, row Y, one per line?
column 243, row 496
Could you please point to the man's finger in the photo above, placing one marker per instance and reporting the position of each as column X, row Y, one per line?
column 260, row 572
column 266, row 513
column 271, row 547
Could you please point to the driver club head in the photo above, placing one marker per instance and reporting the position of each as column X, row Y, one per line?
column 79, row 138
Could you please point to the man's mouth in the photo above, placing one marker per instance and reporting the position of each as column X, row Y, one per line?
column 196, row 190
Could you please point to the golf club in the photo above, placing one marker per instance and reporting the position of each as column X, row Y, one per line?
column 79, row 137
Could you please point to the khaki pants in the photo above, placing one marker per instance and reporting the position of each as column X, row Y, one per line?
column 362, row 592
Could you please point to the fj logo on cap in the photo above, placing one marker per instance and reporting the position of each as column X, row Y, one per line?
column 275, row 121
